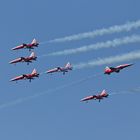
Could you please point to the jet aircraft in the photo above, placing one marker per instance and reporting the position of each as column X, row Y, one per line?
column 109, row 70
column 28, row 59
column 99, row 97
column 29, row 46
column 64, row 69
column 26, row 76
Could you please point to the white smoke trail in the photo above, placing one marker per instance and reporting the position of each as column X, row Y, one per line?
column 99, row 32
column 109, row 60
column 108, row 44
column 126, row 92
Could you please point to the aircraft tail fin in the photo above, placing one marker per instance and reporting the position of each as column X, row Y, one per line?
column 68, row 65
column 32, row 54
column 103, row 92
column 34, row 71
column 34, row 41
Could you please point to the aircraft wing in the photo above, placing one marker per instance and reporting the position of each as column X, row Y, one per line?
column 26, row 60
column 112, row 68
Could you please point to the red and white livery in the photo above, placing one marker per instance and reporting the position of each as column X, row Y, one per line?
column 64, row 69
column 28, row 59
column 109, row 70
column 26, row 76
column 29, row 46
column 99, row 97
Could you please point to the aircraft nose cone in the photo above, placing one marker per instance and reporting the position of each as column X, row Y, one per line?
column 82, row 100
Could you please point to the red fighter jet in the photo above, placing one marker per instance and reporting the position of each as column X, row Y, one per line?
column 61, row 69
column 29, row 46
column 99, row 97
column 26, row 76
column 109, row 70
column 24, row 59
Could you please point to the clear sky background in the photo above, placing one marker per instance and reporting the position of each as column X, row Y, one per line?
column 59, row 115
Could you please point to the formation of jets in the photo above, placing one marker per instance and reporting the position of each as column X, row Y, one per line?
column 30, row 59
column 65, row 69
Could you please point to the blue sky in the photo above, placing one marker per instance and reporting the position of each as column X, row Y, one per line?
column 60, row 114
